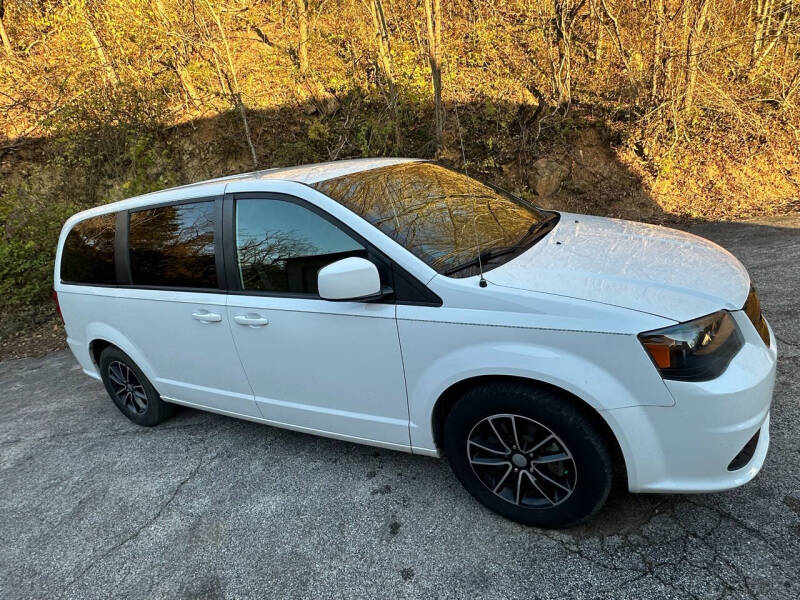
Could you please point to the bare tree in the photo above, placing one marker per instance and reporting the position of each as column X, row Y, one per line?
column 385, row 58
column 233, row 84
column 6, row 42
column 433, row 19
column 657, row 67
column 99, row 49
column 302, row 43
column 694, row 24
column 179, row 60
column 770, row 20
column 564, row 14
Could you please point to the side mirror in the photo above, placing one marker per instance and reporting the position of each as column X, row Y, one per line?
column 351, row 278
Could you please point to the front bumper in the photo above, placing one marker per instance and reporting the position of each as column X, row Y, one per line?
column 689, row 446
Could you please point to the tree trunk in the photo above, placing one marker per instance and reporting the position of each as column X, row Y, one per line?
column 385, row 60
column 656, row 65
column 302, row 44
column 599, row 31
column 562, row 69
column 179, row 60
column 692, row 49
column 236, row 95
column 765, row 36
column 433, row 17
column 6, row 42
column 97, row 44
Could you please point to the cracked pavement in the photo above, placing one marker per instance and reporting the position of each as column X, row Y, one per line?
column 92, row 506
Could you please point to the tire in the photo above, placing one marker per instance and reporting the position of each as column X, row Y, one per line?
column 130, row 390
column 557, row 475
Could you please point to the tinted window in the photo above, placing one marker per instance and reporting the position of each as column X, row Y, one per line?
column 442, row 216
column 281, row 246
column 174, row 246
column 88, row 253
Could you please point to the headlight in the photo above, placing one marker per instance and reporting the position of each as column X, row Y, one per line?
column 697, row 350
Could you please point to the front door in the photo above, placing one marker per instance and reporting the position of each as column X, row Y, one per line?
column 315, row 365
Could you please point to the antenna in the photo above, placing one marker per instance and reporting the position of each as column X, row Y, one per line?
column 481, row 281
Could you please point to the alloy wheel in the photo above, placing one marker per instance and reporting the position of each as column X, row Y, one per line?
column 521, row 461
column 127, row 387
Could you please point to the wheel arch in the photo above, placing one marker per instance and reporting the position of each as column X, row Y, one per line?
column 96, row 348
column 102, row 335
column 452, row 394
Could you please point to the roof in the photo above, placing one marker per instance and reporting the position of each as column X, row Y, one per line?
column 327, row 170
column 307, row 174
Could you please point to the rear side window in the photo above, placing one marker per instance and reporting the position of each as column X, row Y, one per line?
column 280, row 246
column 88, row 253
column 173, row 246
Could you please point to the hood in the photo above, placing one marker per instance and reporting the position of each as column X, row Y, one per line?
column 651, row 269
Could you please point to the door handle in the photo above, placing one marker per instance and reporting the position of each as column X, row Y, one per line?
column 251, row 320
column 207, row 317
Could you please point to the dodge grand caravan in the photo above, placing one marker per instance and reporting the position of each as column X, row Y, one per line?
column 396, row 303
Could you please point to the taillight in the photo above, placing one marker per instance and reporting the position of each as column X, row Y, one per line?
column 58, row 306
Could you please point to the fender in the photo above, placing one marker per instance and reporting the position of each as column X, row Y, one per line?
column 96, row 330
column 593, row 383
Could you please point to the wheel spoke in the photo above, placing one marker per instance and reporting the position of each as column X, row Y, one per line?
column 138, row 401
column 489, row 462
column 487, row 448
column 541, row 474
column 551, row 458
column 116, row 370
column 516, row 436
column 539, row 488
column 519, row 486
column 542, row 443
column 497, row 434
column 502, row 479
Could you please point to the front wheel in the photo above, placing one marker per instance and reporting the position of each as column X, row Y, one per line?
column 528, row 454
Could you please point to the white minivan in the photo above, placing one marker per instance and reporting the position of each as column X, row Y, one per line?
column 397, row 303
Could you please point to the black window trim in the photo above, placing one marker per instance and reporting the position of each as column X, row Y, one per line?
column 373, row 253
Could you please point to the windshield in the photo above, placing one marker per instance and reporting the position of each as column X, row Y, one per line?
column 442, row 216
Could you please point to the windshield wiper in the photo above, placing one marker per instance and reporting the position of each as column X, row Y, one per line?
column 483, row 257
column 538, row 230
column 535, row 232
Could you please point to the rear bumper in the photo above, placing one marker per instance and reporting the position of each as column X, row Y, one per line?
column 688, row 447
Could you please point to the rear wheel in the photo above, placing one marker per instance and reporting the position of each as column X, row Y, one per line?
column 528, row 454
column 130, row 390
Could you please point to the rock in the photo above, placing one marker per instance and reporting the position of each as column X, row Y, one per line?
column 546, row 176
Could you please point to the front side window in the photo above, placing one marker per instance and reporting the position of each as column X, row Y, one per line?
column 173, row 246
column 441, row 216
column 88, row 253
column 281, row 246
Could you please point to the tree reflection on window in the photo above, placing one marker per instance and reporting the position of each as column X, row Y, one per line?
column 88, row 254
column 441, row 216
column 173, row 246
column 281, row 246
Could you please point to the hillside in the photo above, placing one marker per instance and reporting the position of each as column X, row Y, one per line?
column 662, row 111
